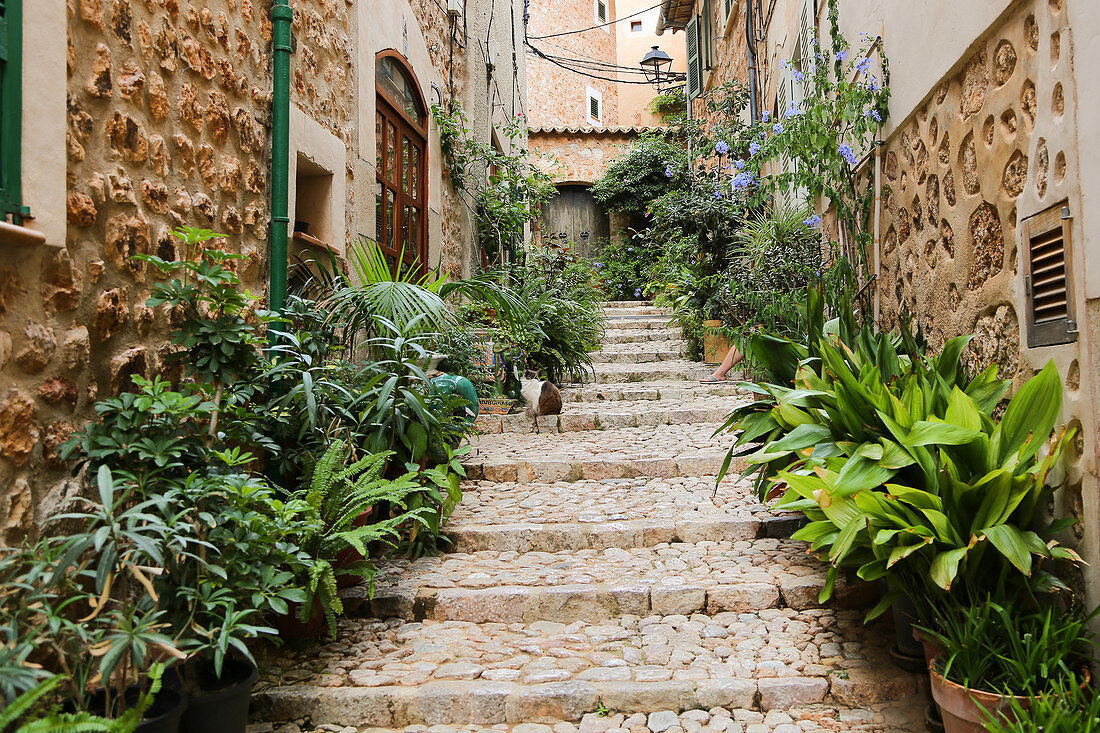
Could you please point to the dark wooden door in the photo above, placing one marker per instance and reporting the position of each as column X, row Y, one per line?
column 575, row 217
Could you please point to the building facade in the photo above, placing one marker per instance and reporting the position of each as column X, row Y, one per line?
column 139, row 117
column 591, row 101
column 983, row 182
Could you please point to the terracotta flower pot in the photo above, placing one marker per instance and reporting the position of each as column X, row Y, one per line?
column 715, row 344
column 959, row 706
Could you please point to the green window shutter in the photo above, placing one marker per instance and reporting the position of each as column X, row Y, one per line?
column 694, row 62
column 11, row 109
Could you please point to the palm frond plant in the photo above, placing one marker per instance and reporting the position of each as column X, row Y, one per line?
column 404, row 294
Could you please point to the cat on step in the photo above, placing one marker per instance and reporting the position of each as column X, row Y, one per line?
column 543, row 397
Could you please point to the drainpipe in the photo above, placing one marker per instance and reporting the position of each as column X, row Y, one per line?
column 282, row 15
column 750, row 53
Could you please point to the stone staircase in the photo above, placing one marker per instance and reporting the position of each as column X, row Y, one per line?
column 598, row 579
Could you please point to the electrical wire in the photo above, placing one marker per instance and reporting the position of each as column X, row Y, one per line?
column 581, row 72
column 585, row 58
column 601, row 25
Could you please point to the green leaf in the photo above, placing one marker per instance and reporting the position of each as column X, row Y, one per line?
column 945, row 567
column 1012, row 544
column 1030, row 416
column 925, row 433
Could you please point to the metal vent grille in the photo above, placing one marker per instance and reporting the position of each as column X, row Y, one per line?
column 601, row 11
column 1048, row 278
column 594, row 108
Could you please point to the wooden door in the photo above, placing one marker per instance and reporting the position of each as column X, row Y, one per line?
column 401, row 200
column 576, row 218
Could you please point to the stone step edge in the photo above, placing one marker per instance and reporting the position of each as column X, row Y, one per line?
column 588, row 420
column 585, row 602
column 525, row 472
column 449, row 702
column 621, row 534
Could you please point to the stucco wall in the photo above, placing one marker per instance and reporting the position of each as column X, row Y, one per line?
column 632, row 47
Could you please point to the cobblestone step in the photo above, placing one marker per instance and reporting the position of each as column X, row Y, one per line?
column 715, row 574
column 665, row 371
column 581, row 416
column 641, row 322
column 612, row 513
column 391, row 673
column 658, row 451
column 618, row 311
column 903, row 716
column 639, row 353
column 670, row 336
column 669, row 391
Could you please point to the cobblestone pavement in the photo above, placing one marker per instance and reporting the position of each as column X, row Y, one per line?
column 598, row 580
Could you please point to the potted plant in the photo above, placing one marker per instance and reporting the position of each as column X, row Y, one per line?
column 342, row 490
column 715, row 342
column 996, row 658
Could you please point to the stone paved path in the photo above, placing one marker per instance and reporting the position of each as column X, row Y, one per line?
column 598, row 581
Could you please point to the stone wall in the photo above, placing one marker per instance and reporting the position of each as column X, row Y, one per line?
column 994, row 143
column 989, row 138
column 168, row 124
column 558, row 96
column 577, row 155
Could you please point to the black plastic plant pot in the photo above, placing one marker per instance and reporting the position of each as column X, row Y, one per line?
column 220, row 705
column 163, row 716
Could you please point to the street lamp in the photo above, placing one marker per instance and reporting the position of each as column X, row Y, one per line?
column 656, row 66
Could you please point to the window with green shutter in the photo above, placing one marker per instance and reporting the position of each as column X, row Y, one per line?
column 11, row 110
column 694, row 62
column 707, row 30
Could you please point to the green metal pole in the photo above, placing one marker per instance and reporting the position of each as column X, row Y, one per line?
column 282, row 15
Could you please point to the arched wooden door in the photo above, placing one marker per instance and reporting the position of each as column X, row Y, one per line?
column 576, row 218
column 401, row 134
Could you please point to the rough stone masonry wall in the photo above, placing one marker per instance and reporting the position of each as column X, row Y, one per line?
column 578, row 157
column 993, row 144
column 955, row 173
column 168, row 120
column 558, row 96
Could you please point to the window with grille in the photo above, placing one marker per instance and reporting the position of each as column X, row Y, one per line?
column 601, row 11
column 1048, row 279
column 706, row 28
column 11, row 110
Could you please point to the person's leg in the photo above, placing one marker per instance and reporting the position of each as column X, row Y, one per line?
column 733, row 358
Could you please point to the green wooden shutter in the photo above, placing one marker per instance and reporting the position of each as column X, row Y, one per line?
column 694, row 63
column 11, row 109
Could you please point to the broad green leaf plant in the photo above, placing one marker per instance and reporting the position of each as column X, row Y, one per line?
column 962, row 519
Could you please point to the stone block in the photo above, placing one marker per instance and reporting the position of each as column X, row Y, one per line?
column 741, row 598
column 630, row 600
column 654, row 467
column 655, row 532
column 725, row 693
column 783, row 693
column 801, row 593
column 456, row 703
column 685, row 600
column 554, row 701
column 564, row 603
column 607, row 535
column 862, row 686
column 495, row 605
column 632, row 696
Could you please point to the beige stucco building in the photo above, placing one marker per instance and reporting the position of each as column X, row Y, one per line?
column 141, row 117
column 983, row 183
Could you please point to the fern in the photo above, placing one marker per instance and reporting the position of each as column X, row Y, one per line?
column 53, row 721
column 339, row 493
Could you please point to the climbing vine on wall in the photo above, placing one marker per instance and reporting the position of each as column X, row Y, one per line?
column 504, row 189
